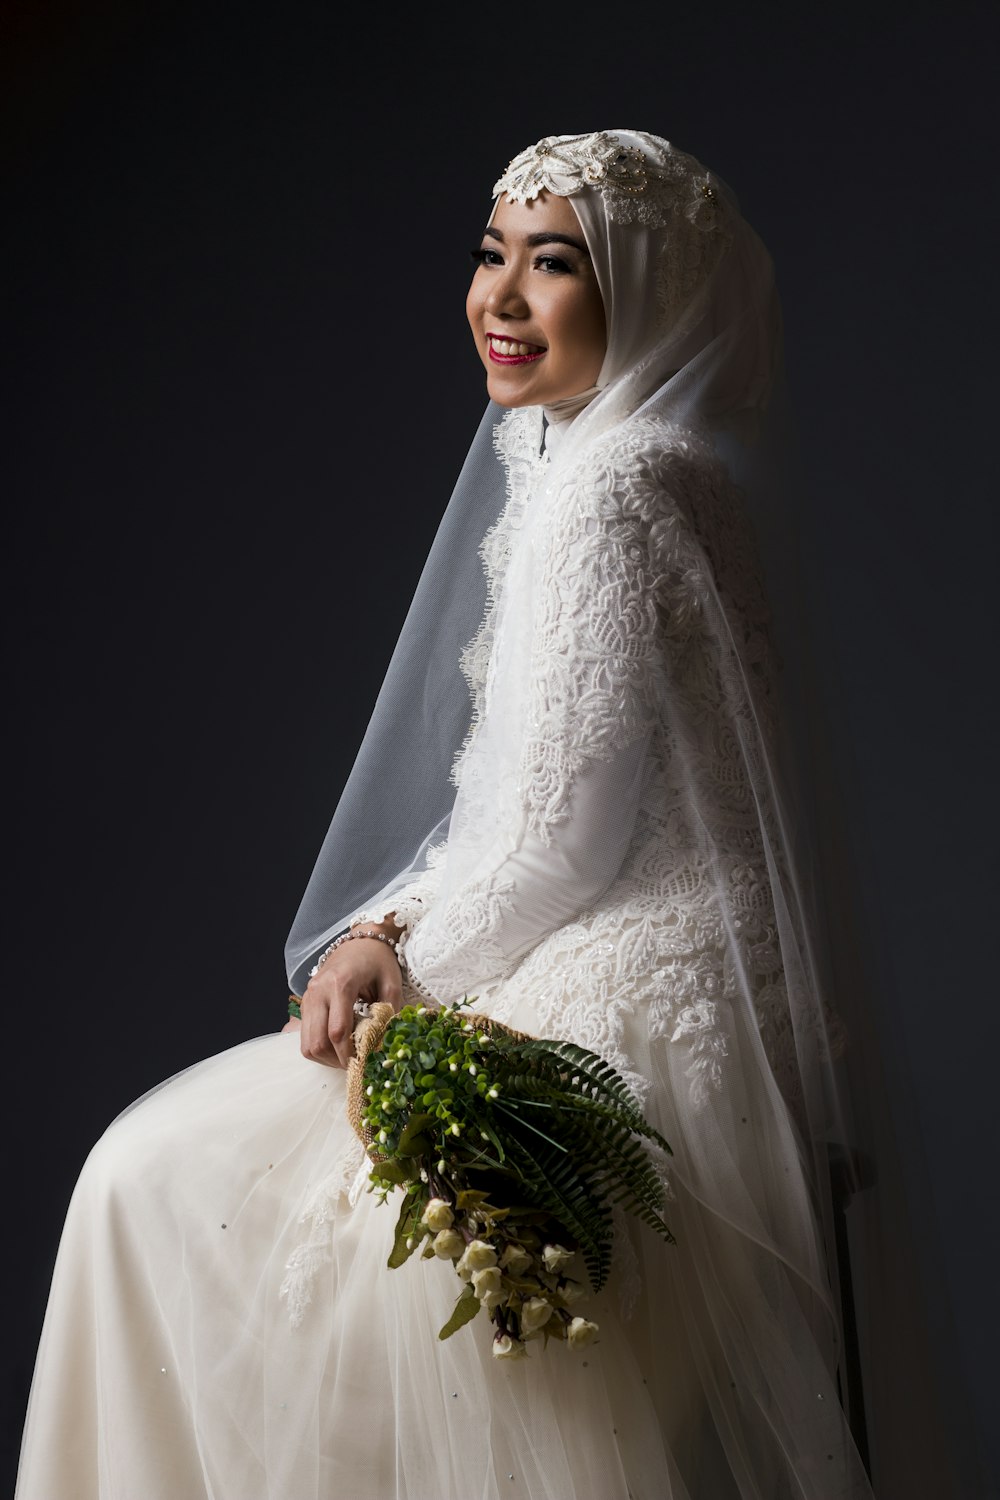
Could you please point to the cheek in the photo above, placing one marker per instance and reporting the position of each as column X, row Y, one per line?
column 474, row 305
column 580, row 325
column 593, row 326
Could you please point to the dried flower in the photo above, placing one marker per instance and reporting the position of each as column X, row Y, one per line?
column 448, row 1243
column 515, row 1259
column 487, row 1286
column 580, row 1333
column 438, row 1215
column 504, row 1347
column 555, row 1257
column 535, row 1313
column 476, row 1257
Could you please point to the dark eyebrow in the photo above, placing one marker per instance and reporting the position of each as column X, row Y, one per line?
column 541, row 239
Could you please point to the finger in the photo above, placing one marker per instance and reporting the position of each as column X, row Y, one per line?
column 340, row 1030
column 292, row 1024
column 390, row 987
column 314, row 1040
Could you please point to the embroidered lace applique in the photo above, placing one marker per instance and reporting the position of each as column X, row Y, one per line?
column 517, row 441
column 314, row 1247
column 566, row 164
column 649, row 568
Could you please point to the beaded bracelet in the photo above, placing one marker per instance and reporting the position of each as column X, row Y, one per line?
column 345, row 937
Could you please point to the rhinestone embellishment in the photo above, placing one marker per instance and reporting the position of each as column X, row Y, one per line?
column 565, row 164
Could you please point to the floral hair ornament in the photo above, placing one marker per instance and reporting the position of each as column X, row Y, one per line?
column 564, row 164
column 648, row 184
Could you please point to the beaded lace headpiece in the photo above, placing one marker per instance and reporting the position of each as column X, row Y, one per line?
column 646, row 186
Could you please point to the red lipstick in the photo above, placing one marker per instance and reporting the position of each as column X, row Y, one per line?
column 510, row 359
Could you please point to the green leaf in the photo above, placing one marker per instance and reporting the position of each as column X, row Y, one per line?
column 413, row 1134
column 534, row 1128
column 494, row 1139
column 395, row 1171
column 417, row 1145
column 469, row 1197
column 406, row 1229
column 464, row 1311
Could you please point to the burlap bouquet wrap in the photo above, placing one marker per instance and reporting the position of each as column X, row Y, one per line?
column 368, row 1035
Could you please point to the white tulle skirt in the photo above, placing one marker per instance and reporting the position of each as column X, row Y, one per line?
column 173, row 1367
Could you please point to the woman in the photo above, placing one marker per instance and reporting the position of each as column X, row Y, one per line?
column 601, row 856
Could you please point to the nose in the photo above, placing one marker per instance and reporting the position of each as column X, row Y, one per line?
column 505, row 298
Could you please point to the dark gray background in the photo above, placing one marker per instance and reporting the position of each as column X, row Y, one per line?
column 241, row 388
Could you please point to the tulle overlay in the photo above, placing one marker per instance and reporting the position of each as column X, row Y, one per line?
column 172, row 1366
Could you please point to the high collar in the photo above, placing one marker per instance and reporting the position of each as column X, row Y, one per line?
column 561, row 414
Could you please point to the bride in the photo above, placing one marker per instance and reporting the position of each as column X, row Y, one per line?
column 598, row 849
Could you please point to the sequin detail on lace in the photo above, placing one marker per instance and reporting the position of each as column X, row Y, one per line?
column 565, row 164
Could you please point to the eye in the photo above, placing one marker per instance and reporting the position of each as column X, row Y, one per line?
column 553, row 266
column 487, row 257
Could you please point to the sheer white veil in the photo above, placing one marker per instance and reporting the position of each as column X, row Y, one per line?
column 400, row 794
column 694, row 344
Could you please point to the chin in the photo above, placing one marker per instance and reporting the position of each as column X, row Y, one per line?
column 502, row 394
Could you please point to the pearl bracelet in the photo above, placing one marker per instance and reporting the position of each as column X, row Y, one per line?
column 345, row 937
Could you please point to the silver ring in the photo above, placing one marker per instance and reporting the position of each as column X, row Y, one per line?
column 362, row 1009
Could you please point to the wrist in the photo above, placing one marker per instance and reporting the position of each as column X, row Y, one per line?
column 360, row 932
column 387, row 927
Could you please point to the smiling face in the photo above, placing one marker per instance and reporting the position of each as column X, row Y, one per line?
column 534, row 305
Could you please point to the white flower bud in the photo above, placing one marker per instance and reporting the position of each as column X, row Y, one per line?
column 504, row 1347
column 535, row 1313
column 486, row 1283
column 438, row 1215
column 478, row 1256
column 580, row 1333
column 571, row 1292
column 555, row 1257
column 448, row 1244
column 515, row 1259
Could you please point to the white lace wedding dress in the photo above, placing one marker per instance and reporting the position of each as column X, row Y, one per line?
column 222, row 1321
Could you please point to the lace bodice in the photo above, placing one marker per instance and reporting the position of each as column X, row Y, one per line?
column 640, row 873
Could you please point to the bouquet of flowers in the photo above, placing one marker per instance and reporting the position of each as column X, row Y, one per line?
column 511, row 1153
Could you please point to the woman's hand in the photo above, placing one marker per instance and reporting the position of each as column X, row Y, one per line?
column 363, row 969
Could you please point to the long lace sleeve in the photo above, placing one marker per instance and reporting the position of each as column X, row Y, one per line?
column 606, row 609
